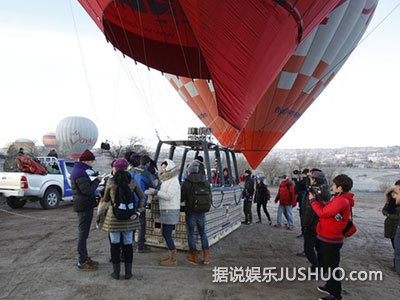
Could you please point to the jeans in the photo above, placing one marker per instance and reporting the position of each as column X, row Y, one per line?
column 287, row 210
column 142, row 230
column 85, row 220
column 310, row 238
column 329, row 257
column 199, row 220
column 115, row 237
column 167, row 235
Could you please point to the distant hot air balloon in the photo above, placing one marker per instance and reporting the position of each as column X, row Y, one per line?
column 308, row 71
column 27, row 144
column 76, row 134
column 50, row 140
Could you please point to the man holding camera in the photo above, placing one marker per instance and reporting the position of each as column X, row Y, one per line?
column 319, row 188
column 301, row 182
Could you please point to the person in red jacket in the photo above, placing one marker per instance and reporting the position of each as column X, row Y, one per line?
column 287, row 200
column 333, row 217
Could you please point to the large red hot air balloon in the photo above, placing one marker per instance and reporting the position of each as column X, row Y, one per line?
column 248, row 69
column 240, row 45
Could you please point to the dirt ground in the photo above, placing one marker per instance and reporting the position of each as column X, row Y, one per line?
column 38, row 257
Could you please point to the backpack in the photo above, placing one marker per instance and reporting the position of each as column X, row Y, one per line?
column 124, row 205
column 200, row 197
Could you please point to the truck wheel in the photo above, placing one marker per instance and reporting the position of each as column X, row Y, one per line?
column 15, row 202
column 51, row 199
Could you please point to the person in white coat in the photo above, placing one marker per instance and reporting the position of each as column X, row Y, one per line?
column 170, row 201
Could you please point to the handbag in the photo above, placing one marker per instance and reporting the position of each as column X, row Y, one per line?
column 350, row 228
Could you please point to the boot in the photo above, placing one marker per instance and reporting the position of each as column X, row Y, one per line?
column 116, row 271
column 206, row 260
column 166, row 258
column 171, row 260
column 115, row 259
column 128, row 270
column 128, row 253
column 193, row 258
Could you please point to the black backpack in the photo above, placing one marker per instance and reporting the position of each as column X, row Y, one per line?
column 199, row 197
column 124, row 205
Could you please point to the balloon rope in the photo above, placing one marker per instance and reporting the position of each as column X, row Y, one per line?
column 83, row 64
column 180, row 40
column 138, row 87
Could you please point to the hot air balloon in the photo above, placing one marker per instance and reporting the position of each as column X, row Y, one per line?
column 76, row 134
column 50, row 140
column 248, row 69
column 27, row 144
column 307, row 72
column 240, row 45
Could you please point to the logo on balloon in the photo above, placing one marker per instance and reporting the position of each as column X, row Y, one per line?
column 287, row 111
column 76, row 138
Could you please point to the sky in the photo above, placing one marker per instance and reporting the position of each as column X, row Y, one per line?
column 56, row 63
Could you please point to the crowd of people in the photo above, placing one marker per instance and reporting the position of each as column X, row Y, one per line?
column 121, row 212
column 325, row 217
column 325, row 211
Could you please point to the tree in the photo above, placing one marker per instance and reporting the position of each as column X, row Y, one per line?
column 242, row 164
column 272, row 167
column 132, row 143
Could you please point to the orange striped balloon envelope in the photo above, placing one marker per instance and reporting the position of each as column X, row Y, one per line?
column 300, row 81
column 241, row 45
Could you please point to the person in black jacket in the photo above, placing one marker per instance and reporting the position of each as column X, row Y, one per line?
column 318, row 184
column 247, row 197
column 83, row 190
column 262, row 196
column 53, row 153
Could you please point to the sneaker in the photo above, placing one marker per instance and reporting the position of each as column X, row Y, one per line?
column 91, row 261
column 300, row 236
column 86, row 266
column 323, row 289
column 258, row 222
column 329, row 297
column 244, row 222
column 291, row 228
column 301, row 254
column 277, row 225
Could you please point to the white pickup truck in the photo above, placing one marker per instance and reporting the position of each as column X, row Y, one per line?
column 49, row 189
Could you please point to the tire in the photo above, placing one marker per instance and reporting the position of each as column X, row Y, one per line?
column 51, row 198
column 15, row 202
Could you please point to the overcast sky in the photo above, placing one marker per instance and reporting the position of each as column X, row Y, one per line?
column 55, row 63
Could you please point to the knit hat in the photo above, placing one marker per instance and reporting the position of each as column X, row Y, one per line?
column 120, row 164
column 170, row 164
column 86, row 156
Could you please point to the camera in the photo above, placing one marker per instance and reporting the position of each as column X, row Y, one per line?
column 296, row 172
column 315, row 191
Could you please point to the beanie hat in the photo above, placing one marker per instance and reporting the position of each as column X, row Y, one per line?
column 86, row 156
column 319, row 177
column 120, row 164
column 170, row 164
